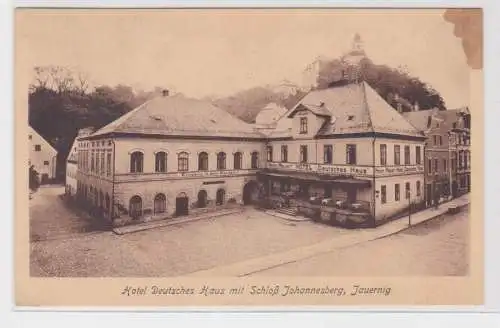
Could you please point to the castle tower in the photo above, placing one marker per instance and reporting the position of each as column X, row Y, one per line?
column 352, row 60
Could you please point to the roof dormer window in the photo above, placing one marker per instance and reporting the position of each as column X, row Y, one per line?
column 350, row 117
column 303, row 125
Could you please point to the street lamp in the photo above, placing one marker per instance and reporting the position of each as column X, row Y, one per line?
column 450, row 165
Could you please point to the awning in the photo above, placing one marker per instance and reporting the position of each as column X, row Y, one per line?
column 318, row 178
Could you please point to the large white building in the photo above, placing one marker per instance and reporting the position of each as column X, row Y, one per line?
column 174, row 156
column 43, row 157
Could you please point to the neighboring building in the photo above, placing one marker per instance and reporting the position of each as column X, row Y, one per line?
column 171, row 156
column 447, row 151
column 71, row 163
column 43, row 157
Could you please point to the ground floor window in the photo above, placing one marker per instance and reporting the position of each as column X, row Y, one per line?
column 221, row 194
column 383, row 194
column 160, row 204
column 135, row 207
column 202, row 199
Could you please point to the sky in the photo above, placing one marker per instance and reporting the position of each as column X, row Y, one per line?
column 216, row 52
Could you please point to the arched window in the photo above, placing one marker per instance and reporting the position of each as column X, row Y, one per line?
column 255, row 160
column 161, row 162
column 135, row 207
column 221, row 161
column 220, row 196
column 238, row 161
column 202, row 161
column 136, row 162
column 160, row 204
column 183, row 162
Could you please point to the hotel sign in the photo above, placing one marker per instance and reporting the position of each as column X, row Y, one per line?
column 130, row 177
column 346, row 170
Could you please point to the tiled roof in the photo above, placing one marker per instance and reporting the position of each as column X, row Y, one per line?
column 420, row 119
column 180, row 116
column 357, row 108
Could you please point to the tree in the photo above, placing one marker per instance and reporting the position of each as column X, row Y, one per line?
column 34, row 180
column 387, row 81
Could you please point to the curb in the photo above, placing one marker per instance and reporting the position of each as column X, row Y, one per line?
column 251, row 266
column 160, row 224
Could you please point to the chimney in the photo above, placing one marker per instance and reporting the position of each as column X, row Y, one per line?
column 321, row 104
column 165, row 93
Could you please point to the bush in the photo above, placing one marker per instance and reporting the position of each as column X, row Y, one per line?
column 34, row 180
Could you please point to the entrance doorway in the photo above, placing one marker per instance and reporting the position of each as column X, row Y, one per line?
column 202, row 199
column 250, row 193
column 429, row 194
column 181, row 204
column 219, row 199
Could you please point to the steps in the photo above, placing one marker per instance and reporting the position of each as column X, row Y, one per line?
column 291, row 211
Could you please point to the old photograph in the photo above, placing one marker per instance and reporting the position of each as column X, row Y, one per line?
column 244, row 143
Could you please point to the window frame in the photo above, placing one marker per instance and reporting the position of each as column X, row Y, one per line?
column 303, row 125
column 351, row 154
column 183, row 161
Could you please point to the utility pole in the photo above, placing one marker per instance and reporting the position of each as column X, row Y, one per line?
column 450, row 165
column 408, row 194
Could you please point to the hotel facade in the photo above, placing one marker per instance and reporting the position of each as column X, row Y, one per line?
column 340, row 153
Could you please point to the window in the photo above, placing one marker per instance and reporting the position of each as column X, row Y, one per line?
column 269, row 153
column 429, row 165
column 303, row 154
column 419, row 192
column 440, row 140
column 397, row 155
column 407, row 190
column 418, row 158
column 102, row 163
column 108, row 164
column 284, row 153
column 136, row 162
column 407, row 155
column 238, row 161
column 328, row 154
column 97, row 162
column 92, row 162
column 397, row 195
column 221, row 161
column 255, row 160
column 183, row 162
column 466, row 160
column 161, row 162
column 135, row 207
column 445, row 165
column 303, row 125
column 45, row 162
column 160, row 204
column 30, row 137
column 38, row 148
column 383, row 155
column 436, row 165
column 454, row 125
column 203, row 161
column 434, row 140
column 351, row 154
column 383, row 192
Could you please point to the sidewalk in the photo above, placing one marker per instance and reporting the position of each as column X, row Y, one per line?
column 248, row 267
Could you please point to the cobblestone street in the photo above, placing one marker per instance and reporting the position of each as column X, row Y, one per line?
column 438, row 247
column 168, row 251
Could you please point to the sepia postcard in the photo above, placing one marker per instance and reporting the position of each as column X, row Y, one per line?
column 248, row 157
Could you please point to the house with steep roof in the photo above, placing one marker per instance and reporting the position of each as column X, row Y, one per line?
column 347, row 143
column 43, row 156
column 171, row 156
